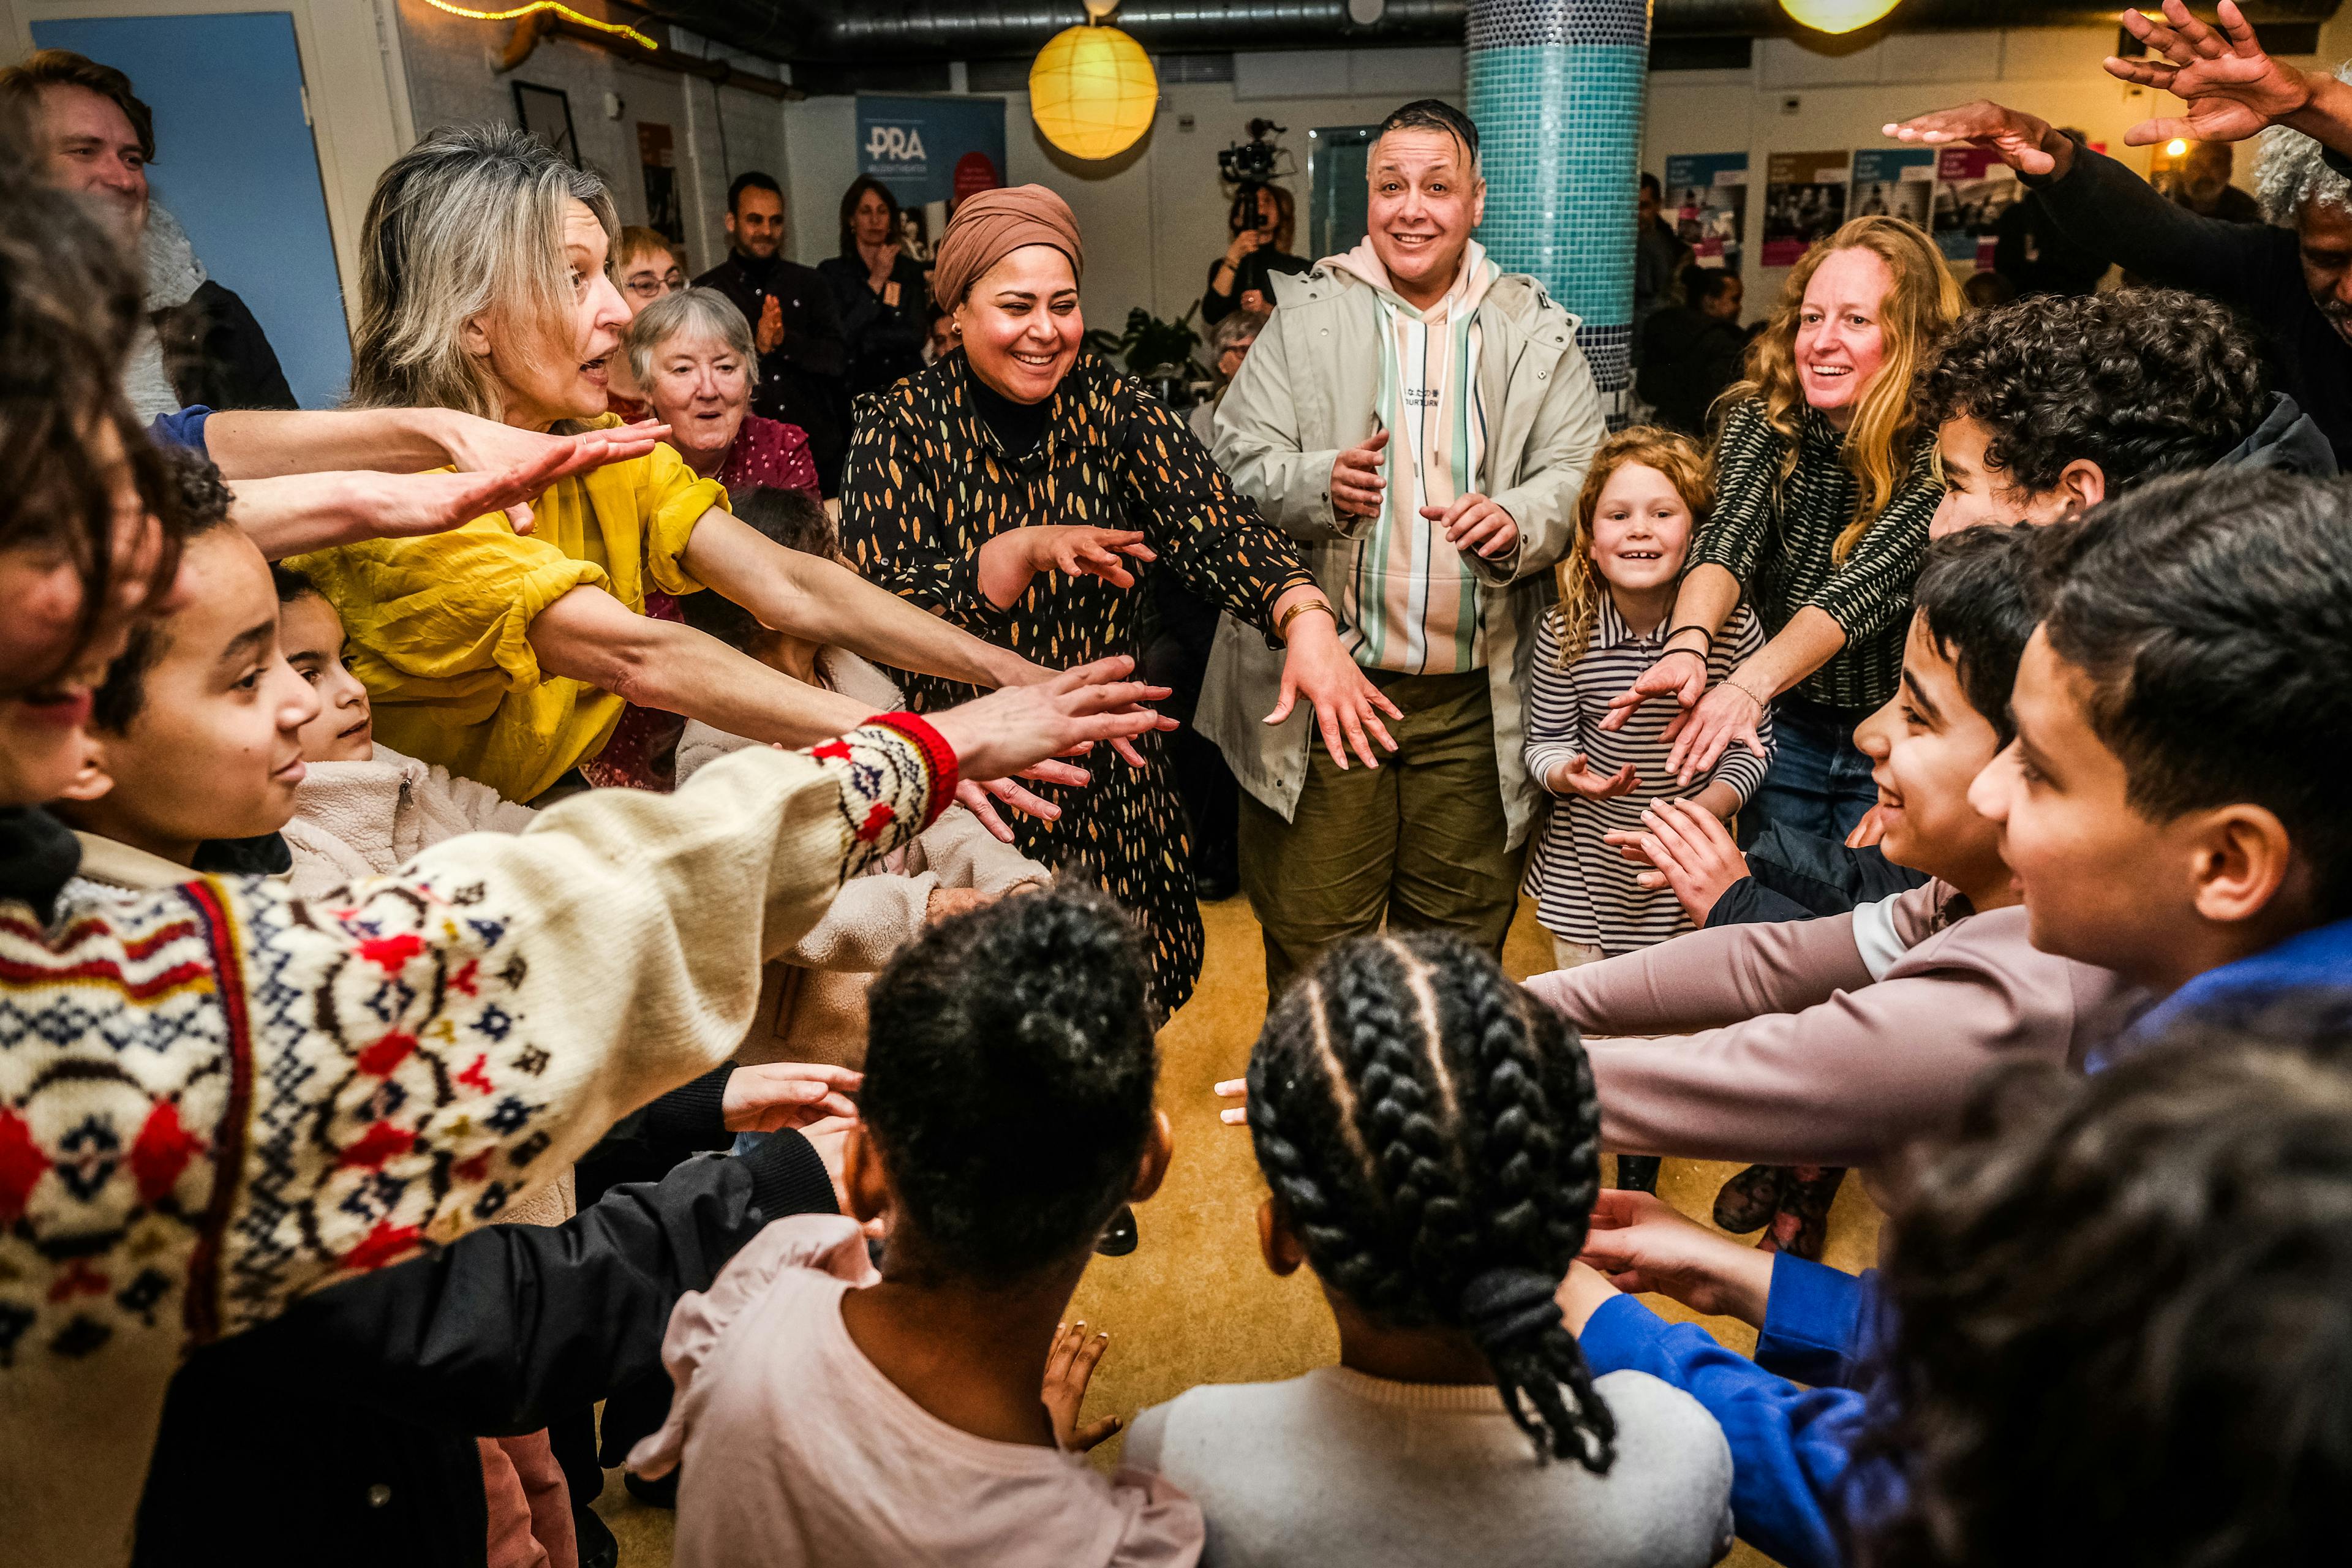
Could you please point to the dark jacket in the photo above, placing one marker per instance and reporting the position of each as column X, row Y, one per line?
column 2287, row 439
column 215, row 354
column 1794, row 876
column 802, row 382
column 1688, row 357
column 882, row 343
column 346, row 1427
column 1256, row 271
column 2253, row 268
column 2035, row 253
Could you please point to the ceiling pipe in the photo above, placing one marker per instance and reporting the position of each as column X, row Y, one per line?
column 872, row 31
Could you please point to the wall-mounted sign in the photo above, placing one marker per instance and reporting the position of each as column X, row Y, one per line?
column 1707, row 200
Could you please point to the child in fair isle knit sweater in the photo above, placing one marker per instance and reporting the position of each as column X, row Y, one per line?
column 222, row 1096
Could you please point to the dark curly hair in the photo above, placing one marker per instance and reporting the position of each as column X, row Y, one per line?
column 70, row 301
column 202, row 502
column 2142, row 382
column 1976, row 595
column 2120, row 1321
column 1008, row 1069
column 1430, row 1135
column 2212, row 616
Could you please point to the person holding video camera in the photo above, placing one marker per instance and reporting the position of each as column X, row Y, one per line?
column 1261, row 221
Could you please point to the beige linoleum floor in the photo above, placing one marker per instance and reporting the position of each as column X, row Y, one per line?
column 1194, row 1304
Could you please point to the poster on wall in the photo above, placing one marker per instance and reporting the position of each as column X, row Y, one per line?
column 1706, row 197
column 931, row 152
column 1973, row 189
column 1894, row 182
column 657, row 156
column 1804, row 201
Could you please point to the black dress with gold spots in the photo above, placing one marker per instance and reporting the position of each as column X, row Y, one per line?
column 930, row 481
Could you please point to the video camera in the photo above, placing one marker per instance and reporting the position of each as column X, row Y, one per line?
column 1249, row 167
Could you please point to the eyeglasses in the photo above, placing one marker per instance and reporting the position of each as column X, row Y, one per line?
column 647, row 287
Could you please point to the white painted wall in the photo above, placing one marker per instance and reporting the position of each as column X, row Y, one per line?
column 1154, row 218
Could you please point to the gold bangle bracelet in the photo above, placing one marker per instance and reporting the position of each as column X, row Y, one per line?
column 1282, row 626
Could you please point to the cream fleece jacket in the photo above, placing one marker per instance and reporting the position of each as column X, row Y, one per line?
column 370, row 818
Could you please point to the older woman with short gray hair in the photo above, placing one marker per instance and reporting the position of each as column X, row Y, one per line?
column 692, row 352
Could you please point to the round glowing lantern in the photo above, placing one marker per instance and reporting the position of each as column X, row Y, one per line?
column 1837, row 16
column 1093, row 92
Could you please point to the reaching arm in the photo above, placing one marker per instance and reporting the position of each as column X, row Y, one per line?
column 1790, row 1447
column 821, row 602
column 588, row 635
column 2231, row 87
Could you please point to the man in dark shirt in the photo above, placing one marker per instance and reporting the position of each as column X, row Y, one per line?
column 794, row 322
column 2293, row 282
column 1691, row 352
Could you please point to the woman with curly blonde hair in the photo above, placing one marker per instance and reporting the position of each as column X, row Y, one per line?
column 1824, row 486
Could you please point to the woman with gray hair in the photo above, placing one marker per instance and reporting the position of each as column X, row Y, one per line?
column 486, row 287
column 692, row 352
column 2291, row 276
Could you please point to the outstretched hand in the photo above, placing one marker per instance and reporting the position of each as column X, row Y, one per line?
column 1575, row 777
column 1688, row 850
column 402, row 505
column 1642, row 1243
column 2021, row 140
column 484, row 446
column 1077, row 551
column 774, row 1096
column 1677, row 673
column 999, row 735
column 1069, row 1367
column 2233, row 88
column 1347, row 707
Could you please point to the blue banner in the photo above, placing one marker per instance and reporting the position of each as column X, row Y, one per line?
column 931, row 150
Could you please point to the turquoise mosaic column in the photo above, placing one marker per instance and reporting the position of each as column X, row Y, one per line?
column 1558, row 89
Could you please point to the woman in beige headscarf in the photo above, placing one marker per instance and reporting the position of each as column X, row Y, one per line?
column 1018, row 484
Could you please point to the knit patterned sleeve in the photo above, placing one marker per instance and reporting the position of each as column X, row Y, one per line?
column 216, row 1097
column 1742, row 639
column 898, row 521
column 1872, row 590
column 1554, row 718
column 1203, row 528
column 1748, row 453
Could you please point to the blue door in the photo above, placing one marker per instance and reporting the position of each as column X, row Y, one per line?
column 235, row 162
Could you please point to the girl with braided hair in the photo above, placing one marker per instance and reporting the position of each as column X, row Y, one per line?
column 1431, row 1138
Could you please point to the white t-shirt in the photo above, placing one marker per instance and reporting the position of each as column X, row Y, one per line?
column 798, row 1450
column 1340, row 1468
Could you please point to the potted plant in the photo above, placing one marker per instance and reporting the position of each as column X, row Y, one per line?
column 1158, row 352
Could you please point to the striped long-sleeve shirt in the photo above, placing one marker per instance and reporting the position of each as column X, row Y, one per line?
column 1583, row 889
column 1775, row 536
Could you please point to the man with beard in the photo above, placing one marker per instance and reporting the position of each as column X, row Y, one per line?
column 2292, row 281
column 794, row 323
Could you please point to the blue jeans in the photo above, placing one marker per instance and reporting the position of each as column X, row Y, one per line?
column 1818, row 783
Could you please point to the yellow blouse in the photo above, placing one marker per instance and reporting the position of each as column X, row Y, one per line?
column 439, row 626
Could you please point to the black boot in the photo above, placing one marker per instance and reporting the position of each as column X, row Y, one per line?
column 1638, row 1173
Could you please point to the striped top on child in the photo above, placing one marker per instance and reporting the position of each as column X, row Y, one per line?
column 1584, row 889
column 1411, row 603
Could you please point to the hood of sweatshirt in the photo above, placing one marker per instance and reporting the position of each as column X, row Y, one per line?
column 169, row 260
column 2286, row 440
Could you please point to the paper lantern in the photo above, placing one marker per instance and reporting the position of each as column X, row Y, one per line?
column 1093, row 92
column 1837, row 16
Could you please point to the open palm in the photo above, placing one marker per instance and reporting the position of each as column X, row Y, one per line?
column 2233, row 88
